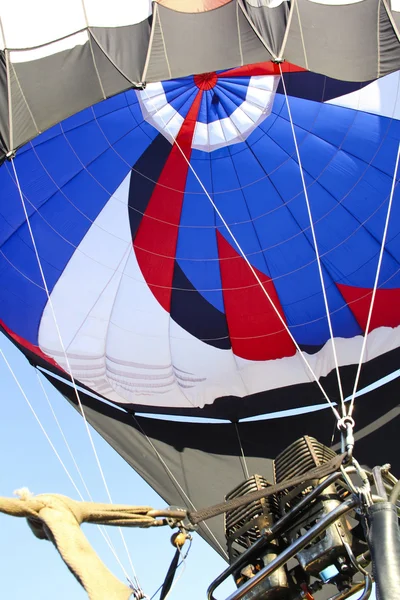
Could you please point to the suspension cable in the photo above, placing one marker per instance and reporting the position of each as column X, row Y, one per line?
column 102, row 530
column 378, row 270
column 278, row 314
column 69, row 369
column 321, row 275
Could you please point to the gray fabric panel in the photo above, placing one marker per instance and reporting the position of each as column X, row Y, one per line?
column 186, row 43
column 389, row 45
column 253, row 50
column 4, row 130
column 339, row 41
column 205, row 458
column 270, row 23
column 204, row 477
column 125, row 46
column 56, row 87
column 22, row 125
column 111, row 79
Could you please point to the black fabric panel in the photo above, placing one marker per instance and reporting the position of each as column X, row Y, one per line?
column 202, row 461
column 144, row 176
column 234, row 408
column 197, row 316
column 376, row 414
column 312, row 86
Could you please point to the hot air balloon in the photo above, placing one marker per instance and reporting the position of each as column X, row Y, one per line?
column 199, row 219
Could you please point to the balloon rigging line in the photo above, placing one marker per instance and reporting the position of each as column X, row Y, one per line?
column 314, row 237
column 69, row 369
column 378, row 270
column 243, row 461
column 174, row 480
column 309, row 367
column 183, row 563
column 101, row 529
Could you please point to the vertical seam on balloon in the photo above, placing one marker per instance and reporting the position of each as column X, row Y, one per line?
column 174, row 480
column 95, row 64
column 52, row 446
column 91, row 48
column 117, row 68
column 10, row 115
column 380, row 260
column 85, row 318
column 7, row 58
column 287, row 29
column 194, row 108
column 315, row 245
column 378, row 31
column 239, row 35
column 391, row 19
column 242, row 458
column 102, row 529
column 25, row 100
column 151, row 41
column 253, row 27
column 301, row 35
column 64, row 352
column 309, row 367
column 165, row 48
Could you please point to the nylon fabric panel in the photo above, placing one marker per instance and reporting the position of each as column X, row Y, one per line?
column 126, row 47
column 270, row 23
column 205, row 459
column 72, row 85
column 255, row 330
column 343, row 38
column 169, row 56
column 389, row 46
column 25, row 27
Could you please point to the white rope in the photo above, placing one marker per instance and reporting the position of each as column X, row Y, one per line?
column 301, row 353
column 244, row 462
column 378, row 270
column 63, row 435
column 176, row 482
column 69, row 369
column 40, row 425
column 321, row 275
column 101, row 529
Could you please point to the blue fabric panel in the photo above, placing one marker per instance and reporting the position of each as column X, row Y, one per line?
column 68, row 174
column 197, row 252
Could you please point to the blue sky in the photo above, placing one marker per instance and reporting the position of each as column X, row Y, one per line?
column 31, row 568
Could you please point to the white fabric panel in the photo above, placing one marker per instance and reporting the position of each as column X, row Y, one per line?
column 29, row 23
column 22, row 56
column 381, row 97
column 204, row 372
column 336, row 2
column 216, row 134
column 124, row 345
column 84, row 295
column 260, row 376
column 103, row 13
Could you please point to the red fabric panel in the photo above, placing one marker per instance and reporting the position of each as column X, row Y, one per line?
column 386, row 311
column 156, row 239
column 29, row 346
column 255, row 330
column 264, row 68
